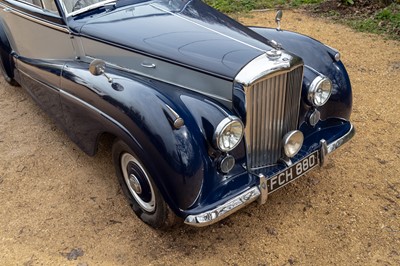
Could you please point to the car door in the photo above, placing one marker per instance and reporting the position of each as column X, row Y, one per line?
column 41, row 41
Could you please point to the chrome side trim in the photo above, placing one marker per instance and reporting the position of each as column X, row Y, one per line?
column 342, row 140
column 38, row 21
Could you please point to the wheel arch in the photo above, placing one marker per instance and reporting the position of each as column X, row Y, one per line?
column 6, row 52
column 142, row 115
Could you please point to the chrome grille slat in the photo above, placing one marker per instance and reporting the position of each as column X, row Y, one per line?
column 272, row 111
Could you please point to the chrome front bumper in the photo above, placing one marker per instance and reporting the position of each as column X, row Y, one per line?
column 259, row 192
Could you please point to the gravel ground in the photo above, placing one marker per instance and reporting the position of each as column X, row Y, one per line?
column 61, row 207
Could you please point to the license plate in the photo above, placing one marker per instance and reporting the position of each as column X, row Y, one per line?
column 293, row 172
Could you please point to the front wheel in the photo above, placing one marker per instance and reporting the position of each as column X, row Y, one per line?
column 7, row 78
column 139, row 188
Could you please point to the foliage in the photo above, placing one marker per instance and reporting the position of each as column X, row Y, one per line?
column 233, row 6
column 348, row 2
column 376, row 16
column 386, row 20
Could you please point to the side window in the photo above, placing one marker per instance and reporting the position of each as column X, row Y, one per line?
column 49, row 5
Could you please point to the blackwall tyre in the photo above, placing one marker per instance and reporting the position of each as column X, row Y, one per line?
column 7, row 78
column 139, row 188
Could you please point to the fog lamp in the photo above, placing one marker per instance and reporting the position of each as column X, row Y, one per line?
column 314, row 117
column 228, row 134
column 320, row 90
column 227, row 164
column 292, row 143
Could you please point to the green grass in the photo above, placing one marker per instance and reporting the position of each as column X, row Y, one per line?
column 386, row 21
column 234, row 6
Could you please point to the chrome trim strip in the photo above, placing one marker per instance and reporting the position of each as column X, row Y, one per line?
column 342, row 140
column 38, row 21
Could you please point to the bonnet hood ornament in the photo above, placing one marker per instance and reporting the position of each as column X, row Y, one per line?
column 274, row 54
column 278, row 19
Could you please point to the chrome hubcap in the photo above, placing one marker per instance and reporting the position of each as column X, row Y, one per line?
column 138, row 182
column 134, row 183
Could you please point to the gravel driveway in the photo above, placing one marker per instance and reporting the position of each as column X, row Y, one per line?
column 61, row 207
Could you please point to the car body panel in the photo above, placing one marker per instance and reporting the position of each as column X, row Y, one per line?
column 162, row 62
column 216, row 88
column 25, row 23
column 139, row 111
column 43, row 80
column 191, row 35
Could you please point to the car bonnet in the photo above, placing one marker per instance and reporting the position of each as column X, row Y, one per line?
column 193, row 35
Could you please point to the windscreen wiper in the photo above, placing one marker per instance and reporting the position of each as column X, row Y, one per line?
column 93, row 7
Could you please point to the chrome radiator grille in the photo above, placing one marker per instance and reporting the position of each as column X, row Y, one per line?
column 272, row 111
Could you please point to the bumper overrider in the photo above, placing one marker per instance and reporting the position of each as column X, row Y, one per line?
column 268, row 184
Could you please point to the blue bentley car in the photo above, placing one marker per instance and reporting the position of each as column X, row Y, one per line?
column 206, row 115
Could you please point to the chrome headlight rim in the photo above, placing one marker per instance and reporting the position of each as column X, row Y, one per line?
column 314, row 89
column 219, row 132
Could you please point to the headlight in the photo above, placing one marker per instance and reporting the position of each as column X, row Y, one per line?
column 320, row 90
column 228, row 134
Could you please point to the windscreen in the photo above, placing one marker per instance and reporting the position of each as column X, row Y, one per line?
column 77, row 6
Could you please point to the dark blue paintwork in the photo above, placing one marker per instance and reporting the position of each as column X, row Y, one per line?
column 201, row 44
column 175, row 156
column 5, row 52
column 183, row 162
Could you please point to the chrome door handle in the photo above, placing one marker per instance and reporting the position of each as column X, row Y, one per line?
column 148, row 65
